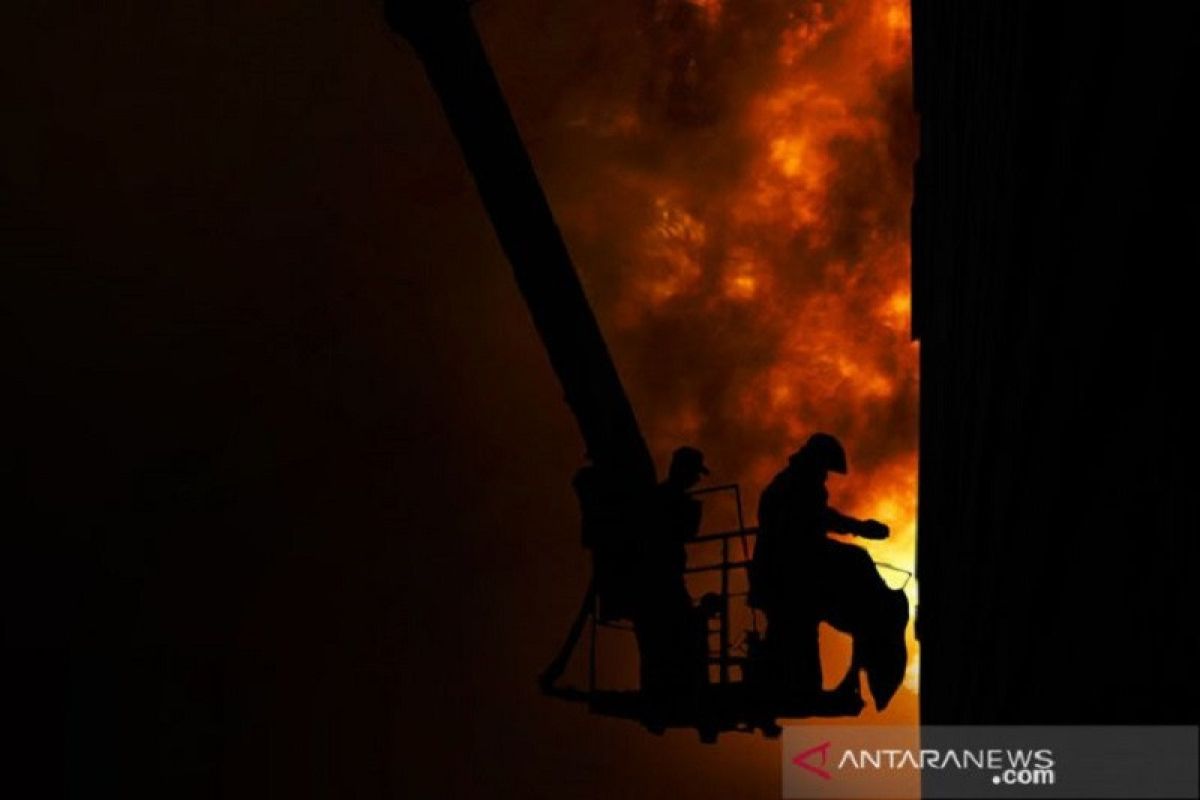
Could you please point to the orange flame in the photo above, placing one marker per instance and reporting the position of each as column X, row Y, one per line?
column 738, row 205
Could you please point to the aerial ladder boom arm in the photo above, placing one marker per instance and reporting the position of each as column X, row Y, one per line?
column 444, row 38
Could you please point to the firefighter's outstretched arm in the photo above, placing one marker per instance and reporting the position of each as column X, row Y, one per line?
column 838, row 522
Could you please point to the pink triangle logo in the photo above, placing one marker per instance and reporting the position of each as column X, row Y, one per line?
column 802, row 760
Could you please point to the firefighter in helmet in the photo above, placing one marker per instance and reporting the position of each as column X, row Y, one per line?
column 799, row 577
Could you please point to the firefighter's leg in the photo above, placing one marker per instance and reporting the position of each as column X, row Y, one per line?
column 794, row 656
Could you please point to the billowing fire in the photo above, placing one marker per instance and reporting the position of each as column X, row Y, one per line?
column 736, row 195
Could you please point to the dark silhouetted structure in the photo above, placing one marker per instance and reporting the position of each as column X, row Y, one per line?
column 449, row 48
column 1054, row 237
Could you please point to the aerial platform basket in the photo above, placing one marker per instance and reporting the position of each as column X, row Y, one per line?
column 730, row 701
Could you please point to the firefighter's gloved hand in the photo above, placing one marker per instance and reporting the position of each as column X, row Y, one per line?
column 874, row 529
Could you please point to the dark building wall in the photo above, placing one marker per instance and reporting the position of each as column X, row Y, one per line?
column 1054, row 251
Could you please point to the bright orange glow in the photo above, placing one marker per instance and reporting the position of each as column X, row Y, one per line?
column 739, row 212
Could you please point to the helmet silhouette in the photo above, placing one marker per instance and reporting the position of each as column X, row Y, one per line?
column 688, row 460
column 825, row 451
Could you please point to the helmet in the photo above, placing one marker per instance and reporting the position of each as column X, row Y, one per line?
column 688, row 460
column 825, row 451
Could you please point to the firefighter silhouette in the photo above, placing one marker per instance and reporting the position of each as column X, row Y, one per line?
column 638, row 542
column 670, row 629
column 799, row 577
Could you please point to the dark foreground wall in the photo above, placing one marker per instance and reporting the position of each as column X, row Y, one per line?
column 1054, row 245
